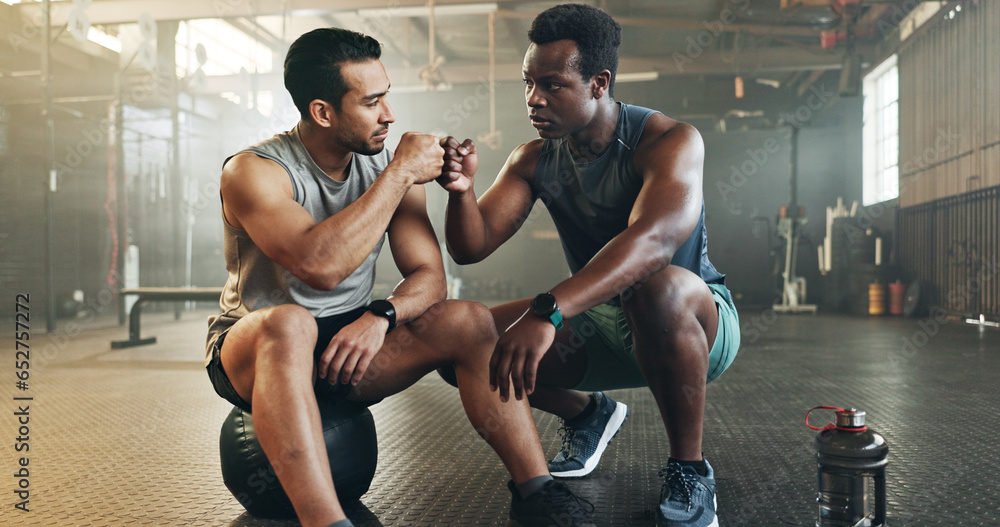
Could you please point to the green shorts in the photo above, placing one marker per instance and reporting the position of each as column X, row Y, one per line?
column 604, row 335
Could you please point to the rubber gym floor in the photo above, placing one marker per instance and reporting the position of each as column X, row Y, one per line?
column 130, row 437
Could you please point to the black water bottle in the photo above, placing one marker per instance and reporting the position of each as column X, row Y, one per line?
column 849, row 457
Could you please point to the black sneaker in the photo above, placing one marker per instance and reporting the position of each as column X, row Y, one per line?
column 552, row 506
column 583, row 443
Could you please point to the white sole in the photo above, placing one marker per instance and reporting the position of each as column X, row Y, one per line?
column 715, row 521
column 614, row 426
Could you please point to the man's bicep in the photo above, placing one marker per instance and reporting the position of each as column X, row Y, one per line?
column 671, row 194
column 257, row 195
column 411, row 235
column 507, row 204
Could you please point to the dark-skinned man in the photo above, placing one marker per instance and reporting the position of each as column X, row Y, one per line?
column 623, row 185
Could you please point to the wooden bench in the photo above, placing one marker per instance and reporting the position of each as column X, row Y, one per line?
column 158, row 294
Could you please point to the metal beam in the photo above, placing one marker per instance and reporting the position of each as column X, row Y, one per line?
column 708, row 63
column 872, row 15
column 785, row 4
column 469, row 72
column 813, row 77
column 128, row 11
column 377, row 31
column 257, row 32
column 694, row 25
column 116, row 139
column 50, row 170
column 24, row 35
column 62, row 100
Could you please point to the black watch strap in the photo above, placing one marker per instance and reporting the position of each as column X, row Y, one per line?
column 545, row 306
column 384, row 309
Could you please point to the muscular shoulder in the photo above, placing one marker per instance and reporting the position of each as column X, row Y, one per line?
column 661, row 131
column 248, row 178
column 248, row 169
column 524, row 159
column 664, row 138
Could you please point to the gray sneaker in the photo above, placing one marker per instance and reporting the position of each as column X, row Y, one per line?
column 687, row 498
column 583, row 443
column 552, row 506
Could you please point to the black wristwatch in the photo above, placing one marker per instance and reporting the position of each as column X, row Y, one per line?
column 544, row 305
column 384, row 309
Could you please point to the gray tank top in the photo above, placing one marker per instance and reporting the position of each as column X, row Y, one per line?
column 255, row 281
column 590, row 202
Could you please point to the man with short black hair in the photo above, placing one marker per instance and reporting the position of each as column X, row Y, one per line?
column 624, row 187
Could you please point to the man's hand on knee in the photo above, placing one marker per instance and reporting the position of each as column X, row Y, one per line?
column 517, row 354
column 352, row 349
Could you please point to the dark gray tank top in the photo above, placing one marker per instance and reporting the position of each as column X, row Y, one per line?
column 590, row 202
column 255, row 281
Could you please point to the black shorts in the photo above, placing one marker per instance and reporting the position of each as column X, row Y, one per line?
column 327, row 326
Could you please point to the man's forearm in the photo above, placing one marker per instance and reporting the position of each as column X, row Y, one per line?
column 417, row 292
column 622, row 265
column 339, row 244
column 465, row 228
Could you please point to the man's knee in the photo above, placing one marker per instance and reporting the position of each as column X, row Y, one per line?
column 287, row 323
column 669, row 307
column 669, row 293
column 281, row 333
column 281, row 337
column 456, row 324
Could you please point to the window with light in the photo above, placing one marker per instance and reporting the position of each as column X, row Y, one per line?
column 880, row 133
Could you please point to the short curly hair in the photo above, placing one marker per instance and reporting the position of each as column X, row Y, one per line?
column 596, row 34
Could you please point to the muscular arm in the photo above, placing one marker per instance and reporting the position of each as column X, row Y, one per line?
column 417, row 255
column 475, row 229
column 669, row 157
column 257, row 197
column 663, row 217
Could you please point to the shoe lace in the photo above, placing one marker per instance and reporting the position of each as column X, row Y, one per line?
column 678, row 484
column 565, row 498
column 568, row 434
